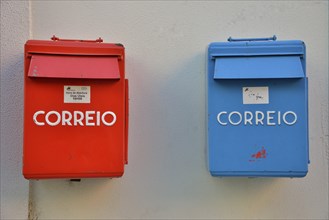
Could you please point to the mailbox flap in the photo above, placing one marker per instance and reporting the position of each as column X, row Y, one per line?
column 61, row 66
column 257, row 67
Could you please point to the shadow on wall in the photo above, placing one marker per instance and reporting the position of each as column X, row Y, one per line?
column 12, row 78
column 71, row 193
column 12, row 93
column 259, row 192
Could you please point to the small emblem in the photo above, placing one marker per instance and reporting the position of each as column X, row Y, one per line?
column 259, row 155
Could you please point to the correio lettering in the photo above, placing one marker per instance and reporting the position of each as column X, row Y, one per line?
column 270, row 118
column 77, row 118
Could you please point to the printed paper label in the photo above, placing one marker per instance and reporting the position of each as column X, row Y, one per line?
column 76, row 94
column 255, row 95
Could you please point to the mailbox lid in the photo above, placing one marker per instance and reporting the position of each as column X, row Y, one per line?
column 258, row 59
column 74, row 59
column 258, row 67
column 73, row 66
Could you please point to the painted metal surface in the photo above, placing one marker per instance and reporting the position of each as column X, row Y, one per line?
column 258, row 67
column 87, row 67
column 257, row 109
column 76, row 110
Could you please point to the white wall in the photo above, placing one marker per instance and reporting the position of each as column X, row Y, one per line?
column 166, row 46
column 14, row 32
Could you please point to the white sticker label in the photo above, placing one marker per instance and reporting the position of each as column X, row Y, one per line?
column 76, row 94
column 255, row 95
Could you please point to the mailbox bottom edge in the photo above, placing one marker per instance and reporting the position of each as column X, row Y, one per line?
column 72, row 175
column 258, row 174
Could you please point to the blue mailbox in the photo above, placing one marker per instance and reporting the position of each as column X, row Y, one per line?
column 257, row 108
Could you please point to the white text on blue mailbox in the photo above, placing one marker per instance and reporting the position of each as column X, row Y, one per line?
column 270, row 118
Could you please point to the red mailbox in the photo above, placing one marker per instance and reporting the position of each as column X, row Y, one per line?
column 75, row 109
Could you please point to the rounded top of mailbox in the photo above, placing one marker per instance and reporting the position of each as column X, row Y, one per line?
column 256, row 48
column 76, row 47
column 233, row 43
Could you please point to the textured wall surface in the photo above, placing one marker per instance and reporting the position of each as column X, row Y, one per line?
column 14, row 33
column 167, row 175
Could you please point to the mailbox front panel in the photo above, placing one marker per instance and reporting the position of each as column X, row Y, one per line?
column 75, row 118
column 257, row 123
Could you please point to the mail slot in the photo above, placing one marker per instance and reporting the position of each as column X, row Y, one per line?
column 257, row 108
column 75, row 109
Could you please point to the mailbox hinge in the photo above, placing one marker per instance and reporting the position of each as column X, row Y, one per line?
column 230, row 39
column 99, row 40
